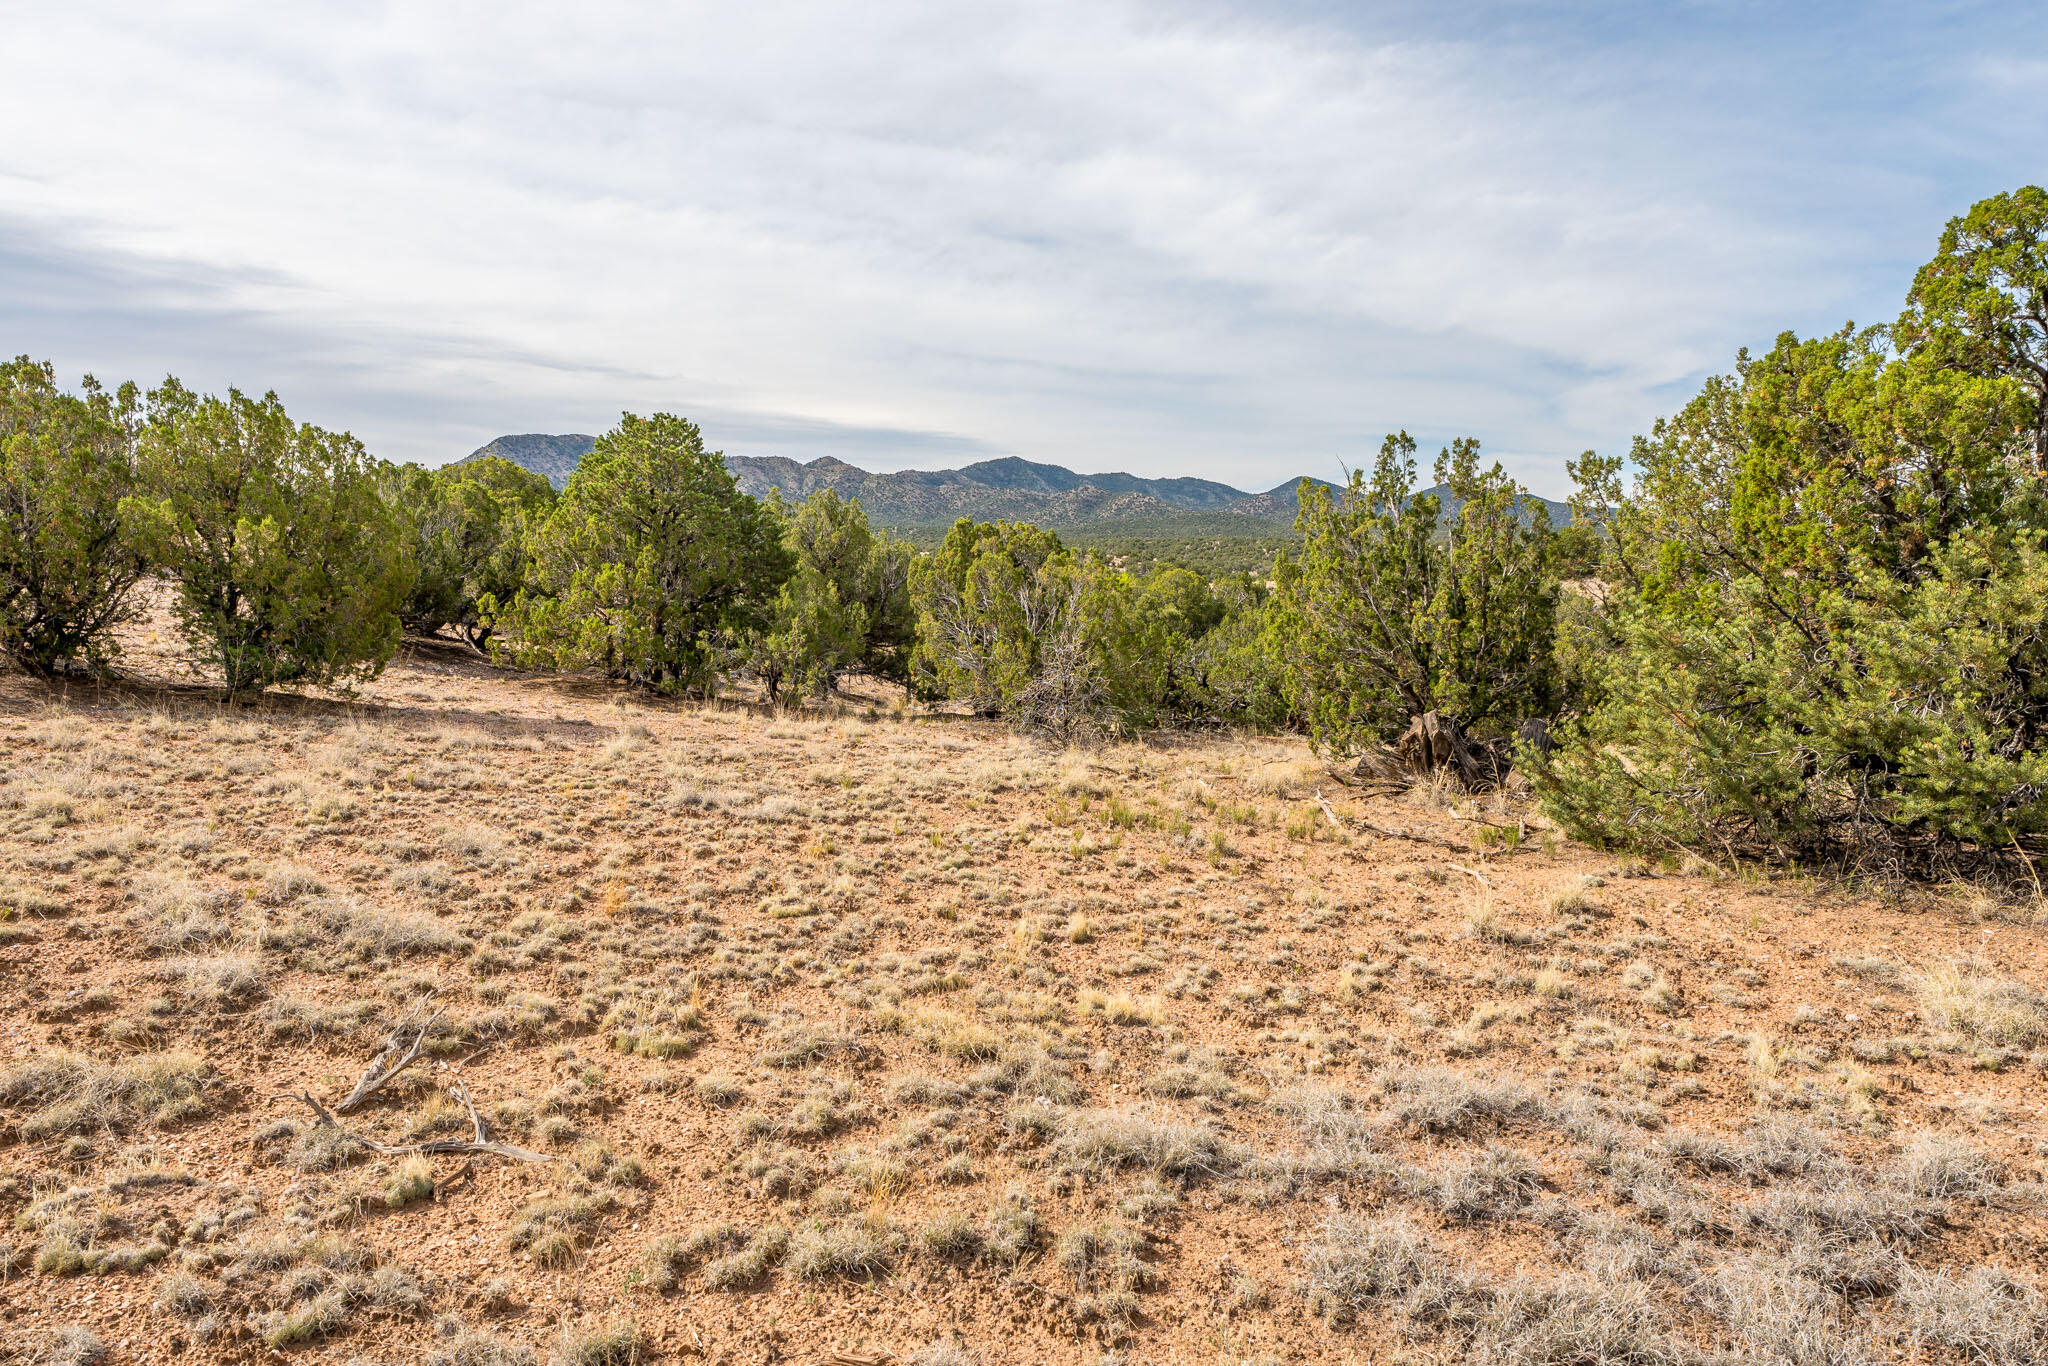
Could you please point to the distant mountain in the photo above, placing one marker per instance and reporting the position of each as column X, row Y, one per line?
column 554, row 457
column 1560, row 513
column 1019, row 490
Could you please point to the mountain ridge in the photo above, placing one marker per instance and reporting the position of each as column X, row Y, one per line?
column 1009, row 487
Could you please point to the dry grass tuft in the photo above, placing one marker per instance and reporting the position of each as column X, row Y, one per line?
column 1996, row 1011
column 1096, row 1142
column 73, row 1093
column 614, row 1345
column 863, row 1248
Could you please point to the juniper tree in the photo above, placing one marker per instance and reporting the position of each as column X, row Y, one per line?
column 288, row 564
column 1394, row 610
column 466, row 526
column 651, row 566
column 1821, row 621
column 68, row 567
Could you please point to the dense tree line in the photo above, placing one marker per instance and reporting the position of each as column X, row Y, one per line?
column 1813, row 618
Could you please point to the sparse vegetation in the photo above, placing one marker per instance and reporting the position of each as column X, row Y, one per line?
column 492, row 1019
column 72, row 1093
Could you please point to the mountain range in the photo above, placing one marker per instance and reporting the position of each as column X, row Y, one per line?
column 1019, row 490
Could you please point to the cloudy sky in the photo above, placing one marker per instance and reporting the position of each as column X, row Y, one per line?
column 1234, row 241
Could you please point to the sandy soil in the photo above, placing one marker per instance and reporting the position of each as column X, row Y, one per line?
column 881, row 982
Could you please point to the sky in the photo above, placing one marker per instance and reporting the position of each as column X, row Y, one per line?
column 1235, row 241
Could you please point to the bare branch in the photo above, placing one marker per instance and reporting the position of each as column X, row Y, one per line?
column 393, row 1058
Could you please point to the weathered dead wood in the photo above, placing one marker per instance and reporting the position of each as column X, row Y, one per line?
column 1391, row 832
column 1383, row 766
column 1434, row 743
column 394, row 1057
column 1329, row 814
column 439, row 1145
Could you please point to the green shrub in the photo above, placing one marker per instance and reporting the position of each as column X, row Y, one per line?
column 847, row 605
column 288, row 565
column 1011, row 622
column 650, row 563
column 67, row 567
column 991, row 601
column 1820, row 623
column 1393, row 611
column 1236, row 664
column 465, row 526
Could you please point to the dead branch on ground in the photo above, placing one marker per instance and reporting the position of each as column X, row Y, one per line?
column 1391, row 832
column 394, row 1057
column 481, row 1143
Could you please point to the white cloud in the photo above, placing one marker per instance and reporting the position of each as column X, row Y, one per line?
column 1098, row 233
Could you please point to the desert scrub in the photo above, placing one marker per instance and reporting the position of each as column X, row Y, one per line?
column 864, row 1248
column 2003, row 1013
column 1027, row 1071
column 1938, row 1166
column 665, row 1261
column 1441, row 1102
column 1194, row 1071
column 1357, row 1268
column 801, row 1045
column 719, row 1088
column 411, row 1182
column 1096, row 1142
column 185, row 1295
column 551, row 1231
column 738, row 1270
column 613, row 1345
column 73, row 1093
column 329, row 1302
column 953, row 1236
column 333, row 933
column 468, row 1347
column 1982, row 1316
column 1010, row 1230
column 1497, row 1184
column 1121, row 1009
column 75, row 1345
column 177, row 916
column 1105, row 1256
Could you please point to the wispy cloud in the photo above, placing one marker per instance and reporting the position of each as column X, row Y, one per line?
column 1211, row 241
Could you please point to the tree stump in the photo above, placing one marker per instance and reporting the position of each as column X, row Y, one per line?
column 1432, row 743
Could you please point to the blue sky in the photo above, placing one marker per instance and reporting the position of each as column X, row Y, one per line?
column 1241, row 242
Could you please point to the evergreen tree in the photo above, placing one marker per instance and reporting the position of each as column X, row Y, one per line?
column 1820, row 623
column 466, row 526
column 651, row 566
column 67, row 566
column 1388, row 614
column 289, row 565
column 847, row 605
column 990, row 603
column 1981, row 305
